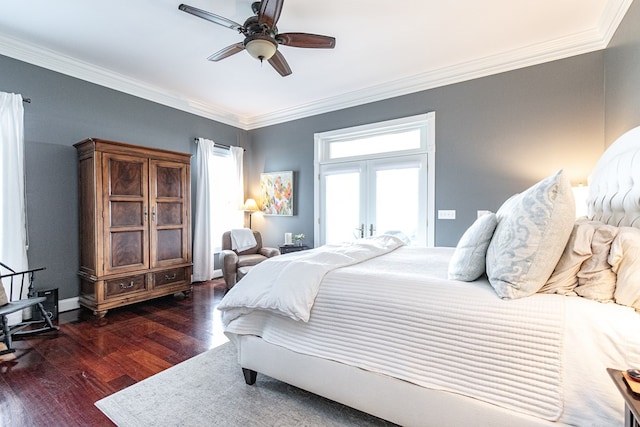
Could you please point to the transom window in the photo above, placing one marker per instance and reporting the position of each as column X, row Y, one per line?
column 376, row 178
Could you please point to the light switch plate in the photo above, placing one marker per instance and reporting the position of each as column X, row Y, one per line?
column 446, row 214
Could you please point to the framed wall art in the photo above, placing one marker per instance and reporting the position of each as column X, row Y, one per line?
column 276, row 193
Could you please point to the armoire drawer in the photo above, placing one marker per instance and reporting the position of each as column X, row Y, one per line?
column 168, row 277
column 116, row 287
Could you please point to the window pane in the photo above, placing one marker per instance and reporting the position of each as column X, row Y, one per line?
column 342, row 207
column 409, row 140
column 225, row 214
column 397, row 201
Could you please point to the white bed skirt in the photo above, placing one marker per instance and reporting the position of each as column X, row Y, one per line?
column 386, row 397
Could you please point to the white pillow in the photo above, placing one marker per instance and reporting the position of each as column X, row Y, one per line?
column 596, row 280
column 531, row 235
column 468, row 261
column 565, row 275
column 625, row 262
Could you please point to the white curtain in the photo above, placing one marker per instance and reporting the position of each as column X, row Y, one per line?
column 13, row 219
column 219, row 197
column 237, row 155
column 203, row 255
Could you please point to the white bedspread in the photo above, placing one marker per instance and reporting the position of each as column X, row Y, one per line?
column 288, row 285
column 398, row 315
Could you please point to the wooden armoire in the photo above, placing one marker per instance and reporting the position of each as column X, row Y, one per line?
column 135, row 223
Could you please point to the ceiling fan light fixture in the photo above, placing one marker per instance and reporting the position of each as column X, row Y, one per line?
column 260, row 47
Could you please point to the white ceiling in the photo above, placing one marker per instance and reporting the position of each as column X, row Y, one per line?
column 150, row 49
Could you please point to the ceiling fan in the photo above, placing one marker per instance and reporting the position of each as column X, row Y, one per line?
column 261, row 35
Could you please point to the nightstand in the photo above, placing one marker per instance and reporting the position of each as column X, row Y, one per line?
column 631, row 402
column 285, row 249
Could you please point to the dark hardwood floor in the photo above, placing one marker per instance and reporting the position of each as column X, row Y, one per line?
column 55, row 379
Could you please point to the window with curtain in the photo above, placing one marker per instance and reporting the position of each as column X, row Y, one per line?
column 13, row 225
column 226, row 207
column 219, row 199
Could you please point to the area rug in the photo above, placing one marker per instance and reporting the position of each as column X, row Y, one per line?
column 209, row 389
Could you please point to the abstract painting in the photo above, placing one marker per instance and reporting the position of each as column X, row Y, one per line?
column 276, row 193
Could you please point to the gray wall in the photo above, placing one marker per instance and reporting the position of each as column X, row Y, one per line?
column 65, row 110
column 494, row 136
column 622, row 76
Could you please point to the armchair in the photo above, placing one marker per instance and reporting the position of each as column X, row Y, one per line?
column 235, row 265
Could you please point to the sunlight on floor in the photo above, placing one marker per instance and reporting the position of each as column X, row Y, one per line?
column 218, row 337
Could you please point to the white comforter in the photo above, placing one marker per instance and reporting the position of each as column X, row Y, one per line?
column 288, row 285
column 397, row 314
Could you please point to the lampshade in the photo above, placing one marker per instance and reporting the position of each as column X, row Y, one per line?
column 250, row 205
column 260, row 47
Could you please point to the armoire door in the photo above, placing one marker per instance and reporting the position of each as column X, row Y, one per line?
column 169, row 222
column 125, row 213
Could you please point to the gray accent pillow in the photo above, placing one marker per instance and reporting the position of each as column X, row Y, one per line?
column 468, row 260
column 531, row 235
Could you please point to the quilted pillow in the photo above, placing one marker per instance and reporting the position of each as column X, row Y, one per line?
column 531, row 235
column 468, row 261
column 623, row 258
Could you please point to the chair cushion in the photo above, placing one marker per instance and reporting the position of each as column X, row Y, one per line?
column 3, row 296
column 242, row 271
column 250, row 260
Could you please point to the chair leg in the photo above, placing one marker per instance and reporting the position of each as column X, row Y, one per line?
column 7, row 336
column 46, row 318
column 49, row 325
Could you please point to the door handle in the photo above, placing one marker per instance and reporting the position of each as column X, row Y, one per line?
column 371, row 230
column 360, row 231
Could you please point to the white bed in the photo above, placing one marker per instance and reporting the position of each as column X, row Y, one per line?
column 390, row 334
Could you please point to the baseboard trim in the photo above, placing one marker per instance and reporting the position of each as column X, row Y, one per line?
column 68, row 304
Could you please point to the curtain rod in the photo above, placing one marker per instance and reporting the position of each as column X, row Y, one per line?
column 27, row 100
column 217, row 145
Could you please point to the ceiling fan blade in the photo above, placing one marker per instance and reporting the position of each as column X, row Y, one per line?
column 306, row 40
column 212, row 17
column 226, row 52
column 270, row 12
column 278, row 62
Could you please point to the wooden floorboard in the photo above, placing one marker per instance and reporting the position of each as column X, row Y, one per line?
column 56, row 378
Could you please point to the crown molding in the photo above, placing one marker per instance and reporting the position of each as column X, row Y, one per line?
column 520, row 58
column 611, row 18
column 577, row 44
column 585, row 42
column 64, row 64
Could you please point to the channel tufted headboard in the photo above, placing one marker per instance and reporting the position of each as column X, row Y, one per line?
column 614, row 188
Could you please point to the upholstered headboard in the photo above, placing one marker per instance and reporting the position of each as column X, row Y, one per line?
column 614, row 187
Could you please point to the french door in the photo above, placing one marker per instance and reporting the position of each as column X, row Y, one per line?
column 364, row 198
